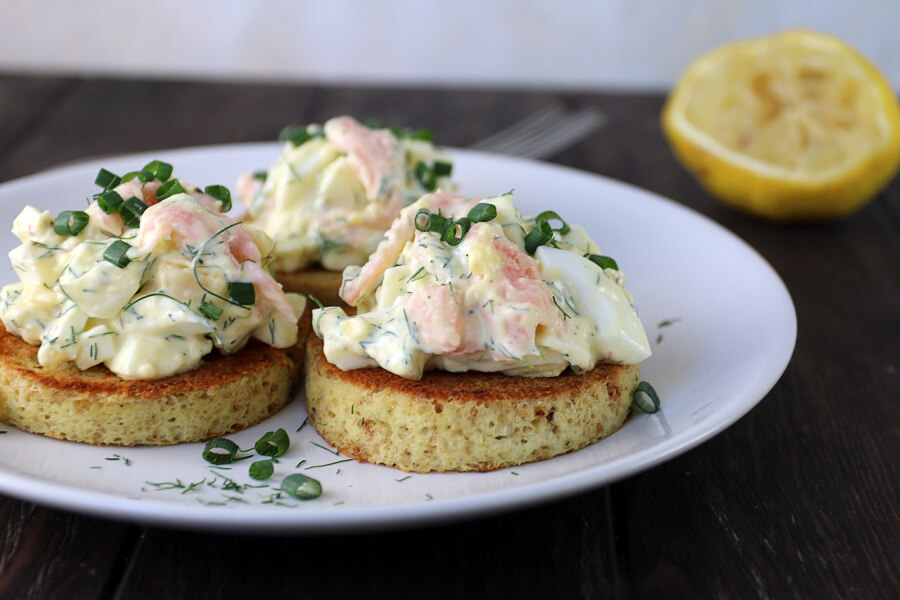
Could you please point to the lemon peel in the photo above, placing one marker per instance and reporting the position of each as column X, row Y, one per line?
column 792, row 126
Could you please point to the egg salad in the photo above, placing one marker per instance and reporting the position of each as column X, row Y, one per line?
column 336, row 188
column 147, row 280
column 463, row 284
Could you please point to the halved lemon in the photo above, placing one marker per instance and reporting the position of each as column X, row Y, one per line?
column 791, row 126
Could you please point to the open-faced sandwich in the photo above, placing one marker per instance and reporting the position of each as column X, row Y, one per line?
column 480, row 340
column 332, row 193
column 108, row 337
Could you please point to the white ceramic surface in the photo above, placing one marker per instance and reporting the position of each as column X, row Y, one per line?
column 732, row 332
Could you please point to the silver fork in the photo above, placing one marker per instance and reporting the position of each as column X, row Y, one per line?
column 544, row 133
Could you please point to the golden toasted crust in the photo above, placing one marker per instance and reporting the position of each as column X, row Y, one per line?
column 224, row 394
column 318, row 282
column 463, row 421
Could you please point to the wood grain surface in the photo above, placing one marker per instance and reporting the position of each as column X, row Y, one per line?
column 798, row 499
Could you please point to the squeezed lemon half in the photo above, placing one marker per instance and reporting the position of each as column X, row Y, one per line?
column 791, row 126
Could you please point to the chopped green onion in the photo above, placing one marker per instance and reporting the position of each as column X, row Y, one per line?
column 450, row 231
column 545, row 217
column 116, row 253
column 442, row 169
column 482, row 212
column 455, row 231
column 423, row 135
column 538, row 236
column 262, row 469
column 604, row 262
column 169, row 188
column 131, row 211
column 107, row 179
column 428, row 176
column 241, row 292
column 438, row 224
column 135, row 206
column 159, row 169
column 220, row 193
column 109, row 202
column 142, row 176
column 274, row 443
column 301, row 487
column 210, row 311
column 404, row 133
column 261, row 175
column 130, row 219
column 425, row 175
column 70, row 222
column 220, row 451
column 298, row 134
column 420, row 223
column 645, row 398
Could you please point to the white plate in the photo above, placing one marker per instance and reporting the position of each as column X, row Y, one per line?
column 732, row 333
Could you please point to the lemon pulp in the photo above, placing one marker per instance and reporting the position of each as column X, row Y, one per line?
column 796, row 125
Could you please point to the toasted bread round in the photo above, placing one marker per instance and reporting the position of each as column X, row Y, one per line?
column 463, row 421
column 224, row 394
column 318, row 282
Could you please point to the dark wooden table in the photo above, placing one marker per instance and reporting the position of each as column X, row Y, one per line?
column 797, row 499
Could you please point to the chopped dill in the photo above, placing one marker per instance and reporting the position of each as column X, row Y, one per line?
column 335, row 452
column 337, row 462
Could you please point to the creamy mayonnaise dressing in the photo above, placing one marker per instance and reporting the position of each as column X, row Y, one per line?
column 330, row 199
column 482, row 305
column 144, row 320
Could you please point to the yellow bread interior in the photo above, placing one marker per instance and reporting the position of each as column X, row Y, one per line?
column 463, row 421
column 223, row 395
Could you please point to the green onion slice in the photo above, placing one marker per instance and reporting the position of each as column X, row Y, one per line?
column 261, row 175
column 274, row 443
column 298, row 134
column 455, row 231
column 423, row 135
column 116, row 253
column 604, row 262
column 442, row 169
column 301, row 487
column 645, row 398
column 220, row 193
column 135, row 206
column 241, row 292
column 482, row 212
column 109, row 202
column 425, row 175
column 220, row 451
column 537, row 237
column 169, row 188
column 107, row 179
column 545, row 217
column 210, row 311
column 70, row 222
column 159, row 169
column 131, row 211
column 438, row 224
column 131, row 220
column 142, row 176
column 262, row 469
column 422, row 220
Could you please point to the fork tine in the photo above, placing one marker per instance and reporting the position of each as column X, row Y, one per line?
column 561, row 135
column 544, row 133
column 519, row 128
